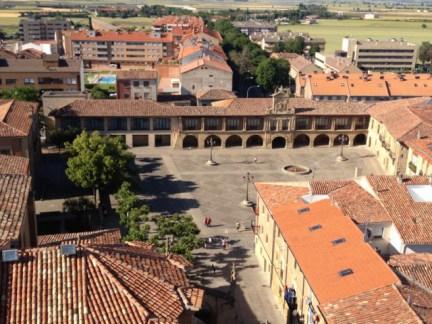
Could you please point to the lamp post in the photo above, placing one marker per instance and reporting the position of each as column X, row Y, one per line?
column 342, row 140
column 246, row 202
column 251, row 87
column 211, row 143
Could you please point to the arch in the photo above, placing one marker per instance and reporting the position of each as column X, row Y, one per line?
column 278, row 142
column 359, row 139
column 233, row 141
column 190, row 141
column 254, row 140
column 216, row 141
column 301, row 140
column 338, row 139
column 321, row 140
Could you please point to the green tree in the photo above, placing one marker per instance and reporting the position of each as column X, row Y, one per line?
column 279, row 47
column 128, row 208
column 314, row 49
column 273, row 73
column 183, row 231
column 296, row 45
column 99, row 93
column 424, row 26
column 59, row 137
column 425, row 52
column 97, row 162
column 21, row 93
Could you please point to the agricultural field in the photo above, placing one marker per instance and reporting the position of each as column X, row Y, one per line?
column 140, row 22
column 334, row 30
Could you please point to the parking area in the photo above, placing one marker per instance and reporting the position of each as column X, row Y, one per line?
column 181, row 181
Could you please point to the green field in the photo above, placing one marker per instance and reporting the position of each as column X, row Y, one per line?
column 334, row 30
column 141, row 22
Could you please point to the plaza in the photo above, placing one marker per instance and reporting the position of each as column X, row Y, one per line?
column 180, row 181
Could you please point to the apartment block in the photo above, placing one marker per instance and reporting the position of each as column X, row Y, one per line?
column 137, row 85
column 48, row 73
column 41, row 29
column 268, row 40
column 250, row 27
column 117, row 47
column 377, row 55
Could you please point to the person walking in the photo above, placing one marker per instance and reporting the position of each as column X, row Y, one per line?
column 209, row 221
column 213, row 268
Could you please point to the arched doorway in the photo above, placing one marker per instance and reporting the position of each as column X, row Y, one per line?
column 342, row 137
column 254, row 140
column 216, row 141
column 301, row 140
column 360, row 139
column 190, row 141
column 321, row 140
column 278, row 142
column 233, row 141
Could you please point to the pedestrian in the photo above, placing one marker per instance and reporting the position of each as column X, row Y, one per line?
column 213, row 268
column 255, row 160
column 223, row 243
column 238, row 226
column 205, row 221
column 209, row 221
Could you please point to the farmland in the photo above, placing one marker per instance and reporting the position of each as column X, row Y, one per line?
column 334, row 30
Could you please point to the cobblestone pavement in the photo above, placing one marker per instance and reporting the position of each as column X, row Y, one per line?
column 179, row 181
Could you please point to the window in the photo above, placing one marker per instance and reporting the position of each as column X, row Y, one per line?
column 315, row 227
column 191, row 123
column 70, row 122
column 5, row 151
column 71, row 81
column 126, row 83
column 29, row 81
column 117, row 124
column 140, row 124
column 162, row 140
column 285, row 124
column 234, row 124
column 273, row 125
column 322, row 123
column 136, row 83
column 162, row 124
column 346, row 272
column 362, row 123
column 146, row 83
column 10, row 81
column 343, row 123
column 94, row 123
column 303, row 123
column 339, row 241
column 254, row 124
column 213, row 123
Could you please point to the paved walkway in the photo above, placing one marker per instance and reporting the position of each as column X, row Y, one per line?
column 177, row 181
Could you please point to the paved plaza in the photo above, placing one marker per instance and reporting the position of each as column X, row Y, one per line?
column 179, row 181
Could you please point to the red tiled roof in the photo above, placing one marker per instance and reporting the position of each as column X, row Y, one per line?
column 107, row 236
column 415, row 267
column 207, row 61
column 382, row 306
column 215, row 94
column 101, row 283
column 12, row 164
column 14, row 194
column 313, row 248
column 137, row 74
column 276, row 195
column 421, row 147
column 412, row 219
column 412, row 111
column 16, row 118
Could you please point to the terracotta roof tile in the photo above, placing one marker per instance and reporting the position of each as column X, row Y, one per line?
column 14, row 194
column 276, row 194
column 419, row 299
column 16, row 118
column 100, row 284
column 421, row 147
column 136, row 74
column 206, row 61
column 312, row 248
column 382, row 305
column 12, row 164
column 107, row 236
column 215, row 94
column 133, row 36
column 416, row 267
column 412, row 219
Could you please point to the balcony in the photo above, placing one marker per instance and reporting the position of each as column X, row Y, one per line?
column 412, row 167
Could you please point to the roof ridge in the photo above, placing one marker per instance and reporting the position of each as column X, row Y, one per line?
column 4, row 109
column 116, row 281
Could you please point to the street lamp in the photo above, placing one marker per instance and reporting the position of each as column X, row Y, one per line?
column 211, row 142
column 251, row 87
column 246, row 202
column 343, row 139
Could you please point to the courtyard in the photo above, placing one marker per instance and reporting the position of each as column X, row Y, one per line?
column 179, row 181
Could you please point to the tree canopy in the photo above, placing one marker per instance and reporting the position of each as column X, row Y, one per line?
column 273, row 73
column 425, row 52
column 99, row 93
column 20, row 93
column 97, row 161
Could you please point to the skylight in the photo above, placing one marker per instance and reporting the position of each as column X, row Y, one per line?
column 308, row 199
column 339, row 241
column 303, row 210
column 420, row 193
column 346, row 272
column 315, row 227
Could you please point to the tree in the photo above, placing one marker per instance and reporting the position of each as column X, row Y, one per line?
column 425, row 52
column 182, row 230
column 296, row 45
column 314, row 49
column 97, row 162
column 279, row 47
column 424, row 26
column 99, row 93
column 21, row 93
column 59, row 137
column 272, row 73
